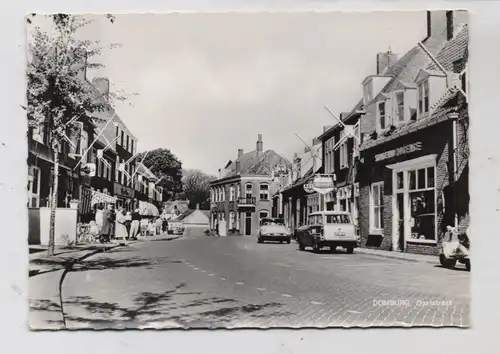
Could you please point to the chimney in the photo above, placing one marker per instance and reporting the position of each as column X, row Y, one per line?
column 220, row 173
column 238, row 167
column 259, row 145
column 102, row 84
column 240, row 152
column 385, row 60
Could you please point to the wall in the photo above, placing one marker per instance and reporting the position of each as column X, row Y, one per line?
column 66, row 220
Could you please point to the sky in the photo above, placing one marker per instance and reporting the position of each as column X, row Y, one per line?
column 208, row 83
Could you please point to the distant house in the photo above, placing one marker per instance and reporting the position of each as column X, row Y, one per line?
column 173, row 209
column 241, row 195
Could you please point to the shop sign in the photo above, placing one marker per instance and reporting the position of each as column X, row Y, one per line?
column 323, row 184
column 309, row 186
column 407, row 149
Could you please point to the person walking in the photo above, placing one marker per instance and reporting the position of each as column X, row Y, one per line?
column 135, row 225
column 107, row 224
column 120, row 227
column 99, row 217
column 158, row 225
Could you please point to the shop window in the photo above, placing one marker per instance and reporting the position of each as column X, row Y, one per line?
column 400, row 106
column 423, row 205
column 264, row 191
column 412, row 180
column 381, row 115
column 377, row 206
column 399, row 180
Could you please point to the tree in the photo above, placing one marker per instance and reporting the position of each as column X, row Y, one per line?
column 197, row 188
column 165, row 165
column 57, row 95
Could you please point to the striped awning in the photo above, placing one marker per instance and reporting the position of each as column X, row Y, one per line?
column 98, row 197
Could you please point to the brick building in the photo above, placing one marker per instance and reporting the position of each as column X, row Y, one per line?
column 413, row 171
column 241, row 196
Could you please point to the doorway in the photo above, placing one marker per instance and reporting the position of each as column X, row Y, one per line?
column 401, row 222
column 248, row 223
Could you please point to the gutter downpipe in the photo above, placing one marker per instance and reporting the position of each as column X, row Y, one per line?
column 454, row 116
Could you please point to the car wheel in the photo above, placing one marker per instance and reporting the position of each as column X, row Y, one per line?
column 259, row 240
column 467, row 265
column 333, row 248
column 288, row 241
column 301, row 246
column 315, row 247
column 350, row 250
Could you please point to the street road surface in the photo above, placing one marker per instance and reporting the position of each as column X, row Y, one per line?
column 205, row 281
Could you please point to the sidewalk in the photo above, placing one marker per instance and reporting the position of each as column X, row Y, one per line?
column 399, row 255
column 40, row 262
column 158, row 238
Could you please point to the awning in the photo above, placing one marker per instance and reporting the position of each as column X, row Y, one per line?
column 98, row 197
column 148, row 209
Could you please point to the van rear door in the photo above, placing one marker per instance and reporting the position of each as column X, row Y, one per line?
column 339, row 227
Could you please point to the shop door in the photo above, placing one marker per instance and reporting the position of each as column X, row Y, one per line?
column 401, row 221
column 248, row 223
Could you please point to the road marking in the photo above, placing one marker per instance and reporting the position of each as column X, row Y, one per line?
column 352, row 311
column 222, row 278
column 286, row 295
column 399, row 323
column 239, row 283
column 203, row 271
column 195, row 268
column 316, row 303
column 211, row 275
column 370, row 264
column 262, row 289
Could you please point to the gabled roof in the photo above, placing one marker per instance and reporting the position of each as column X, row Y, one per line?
column 455, row 53
column 344, row 116
column 253, row 164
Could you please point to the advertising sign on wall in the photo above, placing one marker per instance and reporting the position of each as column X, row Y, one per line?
column 323, row 184
column 399, row 151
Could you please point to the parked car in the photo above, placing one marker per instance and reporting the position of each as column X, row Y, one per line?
column 328, row 228
column 455, row 248
column 175, row 228
column 273, row 230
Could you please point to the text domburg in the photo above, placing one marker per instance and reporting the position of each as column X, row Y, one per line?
column 399, row 151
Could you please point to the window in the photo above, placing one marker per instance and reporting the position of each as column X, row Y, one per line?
column 263, row 214
column 248, row 190
column 238, row 191
column 463, row 81
column 377, row 206
column 117, row 170
column 338, row 219
column 132, row 150
column 449, row 25
column 264, row 191
column 381, row 115
column 122, row 138
column 34, row 187
column 127, row 147
column 423, row 97
column 223, row 193
column 231, row 193
column 329, row 156
column 400, row 106
column 231, row 220
column 367, row 92
column 38, row 133
column 422, row 203
column 343, row 152
column 212, row 195
column 357, row 139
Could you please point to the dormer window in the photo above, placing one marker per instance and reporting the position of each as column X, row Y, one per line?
column 381, row 115
column 423, row 97
column 368, row 91
column 400, row 106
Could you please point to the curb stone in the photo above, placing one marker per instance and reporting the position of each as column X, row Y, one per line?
column 401, row 256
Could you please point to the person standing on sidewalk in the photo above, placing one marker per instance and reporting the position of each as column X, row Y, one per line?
column 135, row 225
column 99, row 217
column 158, row 225
column 120, row 227
column 107, row 225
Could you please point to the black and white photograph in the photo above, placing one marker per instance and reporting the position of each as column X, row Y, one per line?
column 227, row 170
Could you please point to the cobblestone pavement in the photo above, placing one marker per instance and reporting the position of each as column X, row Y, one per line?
column 204, row 281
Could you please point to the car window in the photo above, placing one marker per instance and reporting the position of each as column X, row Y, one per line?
column 338, row 219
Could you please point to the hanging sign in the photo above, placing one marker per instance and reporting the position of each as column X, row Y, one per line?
column 407, row 149
column 323, row 184
column 309, row 186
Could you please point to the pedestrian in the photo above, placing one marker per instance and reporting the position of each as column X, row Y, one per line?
column 128, row 222
column 164, row 225
column 217, row 228
column 107, row 224
column 158, row 225
column 120, row 227
column 99, row 217
column 135, row 225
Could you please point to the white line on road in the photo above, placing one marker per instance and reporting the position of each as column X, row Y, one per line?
column 262, row 289
column 352, row 311
column 286, row 295
column 203, row 271
column 222, row 278
column 316, row 303
column 239, row 283
column 195, row 268
column 211, row 275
